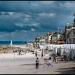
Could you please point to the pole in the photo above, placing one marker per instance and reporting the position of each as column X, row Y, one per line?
column 66, row 37
column 72, row 37
column 58, row 35
column 66, row 32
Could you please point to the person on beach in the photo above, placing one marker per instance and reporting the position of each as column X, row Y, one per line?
column 19, row 52
column 54, row 57
column 49, row 63
column 36, row 54
column 42, row 54
column 37, row 63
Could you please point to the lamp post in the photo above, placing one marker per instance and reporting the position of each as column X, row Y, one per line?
column 59, row 33
column 58, row 36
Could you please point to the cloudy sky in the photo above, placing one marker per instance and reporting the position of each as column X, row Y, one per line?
column 24, row 20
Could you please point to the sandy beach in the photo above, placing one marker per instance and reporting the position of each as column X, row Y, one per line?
column 16, row 59
column 13, row 63
column 25, row 64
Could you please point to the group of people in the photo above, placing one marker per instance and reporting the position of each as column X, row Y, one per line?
column 46, row 61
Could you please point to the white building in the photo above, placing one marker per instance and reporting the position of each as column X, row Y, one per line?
column 68, row 48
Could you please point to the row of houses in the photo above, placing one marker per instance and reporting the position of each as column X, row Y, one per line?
column 51, row 38
column 65, row 37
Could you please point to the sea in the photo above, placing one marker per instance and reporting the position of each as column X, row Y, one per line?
column 13, row 42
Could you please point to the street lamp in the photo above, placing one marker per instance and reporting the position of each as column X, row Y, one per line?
column 58, row 37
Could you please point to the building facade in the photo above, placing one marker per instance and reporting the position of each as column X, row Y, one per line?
column 70, row 34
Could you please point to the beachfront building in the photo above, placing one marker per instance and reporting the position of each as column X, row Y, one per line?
column 54, row 38
column 60, row 39
column 50, row 38
column 42, row 40
column 57, row 38
column 36, row 42
column 49, row 35
column 70, row 33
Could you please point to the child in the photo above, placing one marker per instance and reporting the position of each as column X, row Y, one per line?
column 49, row 63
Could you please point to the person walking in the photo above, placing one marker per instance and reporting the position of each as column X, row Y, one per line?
column 19, row 52
column 37, row 63
column 42, row 53
column 49, row 63
column 36, row 53
column 54, row 57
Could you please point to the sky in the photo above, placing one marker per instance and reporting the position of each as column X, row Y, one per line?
column 25, row 20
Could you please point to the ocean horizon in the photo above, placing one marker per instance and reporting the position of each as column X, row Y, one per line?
column 13, row 42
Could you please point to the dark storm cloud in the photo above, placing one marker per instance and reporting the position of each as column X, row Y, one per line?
column 40, row 16
column 49, row 14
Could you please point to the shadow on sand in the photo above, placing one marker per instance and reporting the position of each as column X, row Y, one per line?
column 70, row 70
